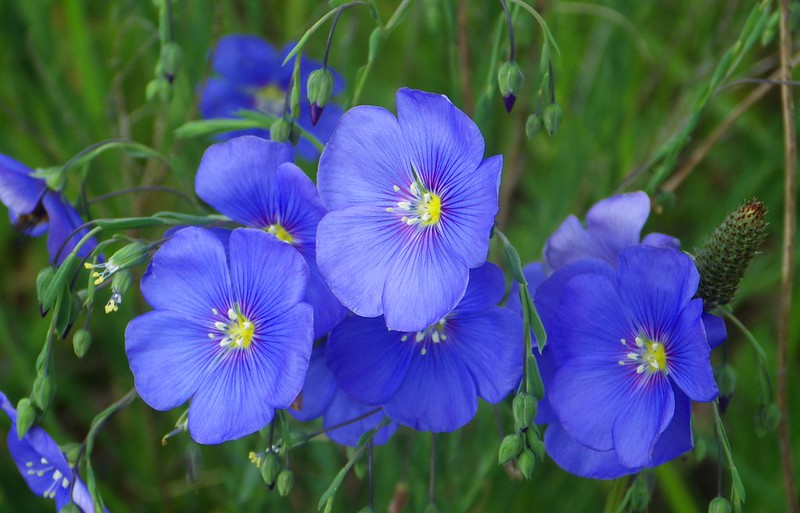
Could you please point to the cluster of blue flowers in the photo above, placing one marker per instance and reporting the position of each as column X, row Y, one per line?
column 384, row 263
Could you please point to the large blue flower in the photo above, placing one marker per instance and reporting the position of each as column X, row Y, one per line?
column 430, row 380
column 322, row 397
column 411, row 204
column 228, row 331
column 249, row 75
column 629, row 351
column 254, row 182
column 34, row 209
column 43, row 466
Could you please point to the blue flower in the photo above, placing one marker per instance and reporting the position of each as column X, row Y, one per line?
column 228, row 331
column 430, row 380
column 322, row 397
column 43, row 466
column 33, row 208
column 254, row 182
column 249, row 75
column 629, row 352
column 411, row 204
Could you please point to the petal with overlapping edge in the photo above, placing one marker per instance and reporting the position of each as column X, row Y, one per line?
column 328, row 310
column 688, row 354
column 716, row 332
column 357, row 248
column 616, row 223
column 469, row 205
column 169, row 356
column 364, row 159
column 41, row 464
column 677, row 438
column 8, row 408
column 318, row 390
column 246, row 59
column 189, row 275
column 569, row 243
column 344, row 408
column 19, row 191
column 82, row 497
column 488, row 342
column 239, row 179
column 580, row 460
column 655, row 284
column 661, row 240
column 485, row 289
column 439, row 392
column 63, row 221
column 369, row 361
column 445, row 146
column 425, row 284
column 220, row 98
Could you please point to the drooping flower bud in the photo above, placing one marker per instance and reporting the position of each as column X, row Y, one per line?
column 70, row 508
column 526, row 463
column 552, row 118
column 171, row 58
column 26, row 415
column 279, row 131
column 719, row 505
column 270, row 467
column 723, row 260
column 81, row 341
column 509, row 78
column 320, row 89
column 640, row 494
column 524, row 407
column 510, row 447
column 43, row 390
column 726, row 379
column 285, row 482
column 533, row 125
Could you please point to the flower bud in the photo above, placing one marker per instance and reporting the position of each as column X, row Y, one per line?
column 770, row 417
column 719, row 505
column 524, row 408
column 320, row 89
column 270, row 468
column 533, row 126
column 510, row 447
column 43, row 281
column 526, row 463
column 279, row 131
column 43, row 390
column 552, row 118
column 70, row 508
column 535, row 444
column 509, row 78
column 640, row 494
column 285, row 482
column 26, row 415
column 158, row 88
column 81, row 341
column 171, row 57
column 726, row 380
column 294, row 134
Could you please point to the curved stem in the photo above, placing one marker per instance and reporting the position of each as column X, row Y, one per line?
column 510, row 31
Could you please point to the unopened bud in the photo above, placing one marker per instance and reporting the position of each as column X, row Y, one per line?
column 279, row 131
column 726, row 380
column 724, row 259
column 320, row 89
column 158, row 88
column 285, row 482
column 43, row 281
column 771, row 416
column 719, row 505
column 171, row 57
column 43, row 390
column 524, row 408
column 26, row 415
column 270, row 468
column 294, row 134
column 509, row 78
column 81, row 341
column 536, row 445
column 70, row 508
column 533, row 126
column 640, row 494
column 552, row 118
column 510, row 447
column 526, row 463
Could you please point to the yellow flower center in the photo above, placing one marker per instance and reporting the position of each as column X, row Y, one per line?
column 418, row 205
column 435, row 333
column 236, row 332
column 648, row 356
column 270, row 99
column 280, row 233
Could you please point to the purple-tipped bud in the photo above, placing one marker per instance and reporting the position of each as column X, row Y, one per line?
column 508, row 101
column 509, row 78
column 316, row 112
column 320, row 89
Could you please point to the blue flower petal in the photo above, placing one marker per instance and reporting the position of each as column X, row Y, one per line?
column 438, row 393
column 616, row 223
column 661, row 240
column 19, row 191
column 247, row 60
column 220, row 98
column 364, row 158
column 688, row 355
column 569, row 243
column 655, row 284
column 369, row 361
column 169, row 356
column 677, row 438
column 534, row 275
column 425, row 285
column 41, row 464
column 82, row 497
column 357, row 248
column 63, row 222
column 318, row 390
column 580, row 460
column 328, row 310
column 343, row 409
column 716, row 333
column 8, row 408
column 486, row 288
column 188, row 275
column 643, row 414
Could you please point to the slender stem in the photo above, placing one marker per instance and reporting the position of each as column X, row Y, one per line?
column 432, row 482
column 762, row 355
column 100, row 421
column 341, row 424
column 510, row 26
column 787, row 267
column 370, row 470
column 330, row 38
column 142, row 188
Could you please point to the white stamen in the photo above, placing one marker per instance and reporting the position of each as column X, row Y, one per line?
column 211, row 335
column 389, row 209
column 57, row 475
column 65, row 483
column 420, row 336
column 414, row 189
column 623, row 341
column 632, row 356
column 396, row 188
column 405, row 205
column 220, row 325
column 640, row 369
column 435, row 336
column 404, row 338
column 621, row 362
column 423, row 351
column 639, row 342
column 231, row 314
column 215, row 311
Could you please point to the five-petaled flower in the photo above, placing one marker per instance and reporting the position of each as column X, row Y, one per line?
column 254, row 182
column 229, row 331
column 430, row 379
column 249, row 75
column 43, row 466
column 411, row 205
column 34, row 209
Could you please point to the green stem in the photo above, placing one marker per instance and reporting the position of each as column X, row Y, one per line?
column 762, row 355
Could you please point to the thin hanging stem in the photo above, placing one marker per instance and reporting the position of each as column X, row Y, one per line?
column 330, row 38
column 511, row 46
column 432, row 482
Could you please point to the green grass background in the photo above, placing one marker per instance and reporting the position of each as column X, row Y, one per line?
column 74, row 72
